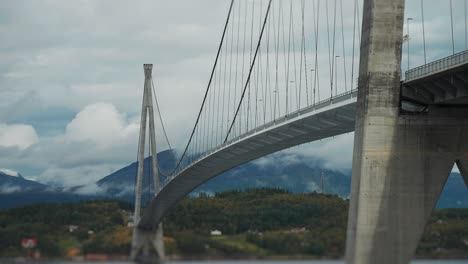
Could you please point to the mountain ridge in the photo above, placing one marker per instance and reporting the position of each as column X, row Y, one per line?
column 279, row 170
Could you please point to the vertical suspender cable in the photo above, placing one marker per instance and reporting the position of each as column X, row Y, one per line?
column 423, row 31
column 237, row 56
column 250, row 61
column 230, row 75
column 218, row 111
column 451, row 24
column 316, row 78
column 294, row 59
column 466, row 25
column 258, row 72
column 303, row 50
column 283, row 26
column 295, row 64
column 251, row 67
column 243, row 56
column 329, row 48
column 225, row 93
column 289, row 53
column 267, row 75
column 354, row 41
column 208, row 87
column 212, row 112
column 276, row 36
column 333, row 52
column 344, row 51
column 316, row 56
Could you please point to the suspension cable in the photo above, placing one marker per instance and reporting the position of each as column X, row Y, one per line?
column 250, row 61
column 160, row 116
column 208, row 87
column 250, row 71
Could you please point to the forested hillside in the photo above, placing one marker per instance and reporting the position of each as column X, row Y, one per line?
column 259, row 223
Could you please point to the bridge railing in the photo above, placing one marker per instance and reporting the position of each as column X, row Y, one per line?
column 437, row 65
column 319, row 105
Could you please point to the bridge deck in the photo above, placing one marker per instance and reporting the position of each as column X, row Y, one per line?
column 442, row 82
column 329, row 118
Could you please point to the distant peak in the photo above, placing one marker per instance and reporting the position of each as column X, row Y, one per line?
column 10, row 173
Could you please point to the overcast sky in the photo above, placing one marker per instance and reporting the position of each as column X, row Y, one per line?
column 71, row 79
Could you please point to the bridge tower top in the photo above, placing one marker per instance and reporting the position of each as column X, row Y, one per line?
column 148, row 70
column 146, row 112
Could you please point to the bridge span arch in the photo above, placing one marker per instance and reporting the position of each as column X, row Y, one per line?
column 328, row 118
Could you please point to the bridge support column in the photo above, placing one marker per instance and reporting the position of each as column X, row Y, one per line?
column 401, row 162
column 148, row 245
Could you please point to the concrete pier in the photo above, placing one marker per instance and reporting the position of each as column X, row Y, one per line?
column 401, row 162
column 148, row 246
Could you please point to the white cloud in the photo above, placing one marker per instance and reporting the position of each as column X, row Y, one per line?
column 82, row 52
column 102, row 124
column 6, row 189
column 17, row 135
column 91, row 189
column 336, row 153
column 95, row 143
column 10, row 172
column 75, row 176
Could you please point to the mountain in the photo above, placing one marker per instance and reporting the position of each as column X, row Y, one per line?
column 280, row 170
column 16, row 191
column 275, row 171
column 296, row 178
column 14, row 182
column 121, row 183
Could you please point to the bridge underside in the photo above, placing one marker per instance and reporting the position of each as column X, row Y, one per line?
column 330, row 118
column 327, row 119
column 444, row 87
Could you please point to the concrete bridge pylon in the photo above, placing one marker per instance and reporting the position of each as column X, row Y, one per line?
column 147, row 244
column 400, row 162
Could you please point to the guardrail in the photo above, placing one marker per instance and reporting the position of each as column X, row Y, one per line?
column 319, row 105
column 437, row 65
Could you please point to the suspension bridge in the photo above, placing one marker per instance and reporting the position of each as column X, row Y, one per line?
column 291, row 72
